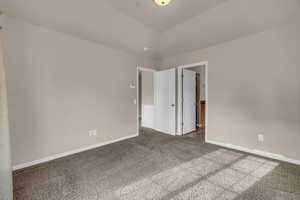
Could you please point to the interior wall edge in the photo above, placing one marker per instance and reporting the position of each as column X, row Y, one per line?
column 68, row 153
column 256, row 152
column 6, row 185
column 163, row 58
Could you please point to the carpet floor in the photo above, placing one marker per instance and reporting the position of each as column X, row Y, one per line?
column 156, row 166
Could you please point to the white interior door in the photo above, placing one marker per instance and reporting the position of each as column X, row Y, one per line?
column 165, row 105
column 189, row 101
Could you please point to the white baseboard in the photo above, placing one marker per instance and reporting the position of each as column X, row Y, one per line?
column 256, row 152
column 68, row 153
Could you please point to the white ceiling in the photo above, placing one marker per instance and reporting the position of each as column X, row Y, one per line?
column 163, row 18
column 228, row 21
column 94, row 20
column 182, row 26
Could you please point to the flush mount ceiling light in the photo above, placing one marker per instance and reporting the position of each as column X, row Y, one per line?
column 162, row 2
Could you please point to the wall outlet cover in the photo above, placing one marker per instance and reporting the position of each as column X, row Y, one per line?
column 92, row 132
column 261, row 138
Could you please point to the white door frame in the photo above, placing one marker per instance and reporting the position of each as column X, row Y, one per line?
column 139, row 69
column 180, row 68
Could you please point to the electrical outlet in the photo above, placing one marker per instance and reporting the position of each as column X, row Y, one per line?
column 260, row 137
column 92, row 132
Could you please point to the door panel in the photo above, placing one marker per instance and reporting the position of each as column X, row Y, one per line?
column 189, row 101
column 165, row 105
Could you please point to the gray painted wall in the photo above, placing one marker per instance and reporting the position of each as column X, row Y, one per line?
column 60, row 87
column 253, row 87
column 5, row 155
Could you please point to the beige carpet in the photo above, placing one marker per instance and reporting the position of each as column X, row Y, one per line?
column 157, row 166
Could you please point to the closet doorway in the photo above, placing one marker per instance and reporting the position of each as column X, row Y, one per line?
column 192, row 98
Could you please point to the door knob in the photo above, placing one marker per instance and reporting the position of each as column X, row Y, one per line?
column 172, row 105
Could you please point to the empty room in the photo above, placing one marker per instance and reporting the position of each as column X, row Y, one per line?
column 149, row 100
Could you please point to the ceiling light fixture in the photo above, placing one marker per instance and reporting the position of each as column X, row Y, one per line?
column 162, row 2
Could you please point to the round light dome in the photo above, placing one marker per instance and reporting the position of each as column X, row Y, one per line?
column 162, row 2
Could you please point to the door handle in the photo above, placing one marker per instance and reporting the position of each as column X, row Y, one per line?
column 172, row 105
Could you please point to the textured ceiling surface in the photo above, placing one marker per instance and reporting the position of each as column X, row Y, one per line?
column 231, row 20
column 163, row 18
column 94, row 20
column 182, row 26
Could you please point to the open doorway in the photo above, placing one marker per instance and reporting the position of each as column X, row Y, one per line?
column 146, row 98
column 157, row 100
column 192, row 98
column 173, row 101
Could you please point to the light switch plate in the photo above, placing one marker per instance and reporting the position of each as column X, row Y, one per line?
column 132, row 84
column 92, row 132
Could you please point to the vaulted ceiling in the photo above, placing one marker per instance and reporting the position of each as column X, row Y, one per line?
column 183, row 25
column 163, row 18
column 94, row 20
column 228, row 21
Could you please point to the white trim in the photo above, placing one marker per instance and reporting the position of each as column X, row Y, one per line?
column 68, row 153
column 206, row 89
column 193, row 65
column 206, row 102
column 256, row 152
column 146, row 69
column 137, row 101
